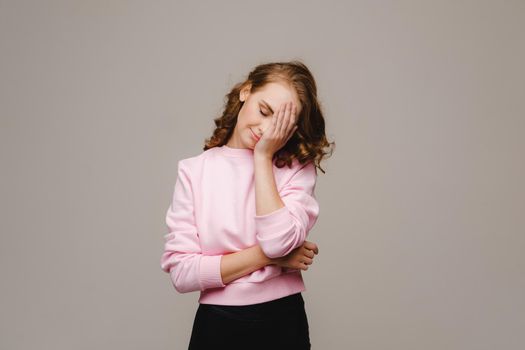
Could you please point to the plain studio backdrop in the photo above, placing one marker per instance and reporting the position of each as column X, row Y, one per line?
column 421, row 228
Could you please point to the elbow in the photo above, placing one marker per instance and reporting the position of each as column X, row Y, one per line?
column 193, row 272
column 180, row 284
column 180, row 267
column 182, row 288
column 284, row 230
column 282, row 244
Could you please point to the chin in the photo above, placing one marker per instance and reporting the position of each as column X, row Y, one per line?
column 249, row 146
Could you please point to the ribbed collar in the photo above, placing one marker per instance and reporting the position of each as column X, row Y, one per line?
column 236, row 152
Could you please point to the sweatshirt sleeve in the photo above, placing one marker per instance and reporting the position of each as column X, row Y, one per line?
column 283, row 230
column 182, row 258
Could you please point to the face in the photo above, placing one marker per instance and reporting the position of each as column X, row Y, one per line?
column 256, row 113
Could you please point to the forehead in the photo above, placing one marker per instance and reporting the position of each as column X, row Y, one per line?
column 278, row 93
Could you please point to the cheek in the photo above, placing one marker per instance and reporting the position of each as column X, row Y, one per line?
column 241, row 118
column 243, row 123
column 248, row 115
column 254, row 110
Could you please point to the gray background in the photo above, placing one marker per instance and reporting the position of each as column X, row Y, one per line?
column 421, row 230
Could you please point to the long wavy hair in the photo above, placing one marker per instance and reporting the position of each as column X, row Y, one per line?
column 309, row 141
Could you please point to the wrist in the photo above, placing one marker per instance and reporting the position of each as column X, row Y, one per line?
column 263, row 156
column 264, row 260
column 274, row 261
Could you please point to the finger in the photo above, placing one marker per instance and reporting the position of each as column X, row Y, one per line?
column 306, row 249
column 298, row 265
column 311, row 246
column 291, row 134
column 279, row 126
column 315, row 250
column 284, row 120
column 274, row 123
column 290, row 130
column 288, row 119
column 291, row 119
column 308, row 261
column 294, row 114
column 270, row 130
column 309, row 253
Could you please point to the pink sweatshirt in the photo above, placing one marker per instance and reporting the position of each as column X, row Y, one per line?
column 212, row 213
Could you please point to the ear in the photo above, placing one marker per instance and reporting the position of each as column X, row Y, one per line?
column 244, row 93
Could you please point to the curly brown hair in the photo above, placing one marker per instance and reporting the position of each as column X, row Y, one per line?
column 309, row 141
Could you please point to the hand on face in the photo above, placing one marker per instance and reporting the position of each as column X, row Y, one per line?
column 281, row 129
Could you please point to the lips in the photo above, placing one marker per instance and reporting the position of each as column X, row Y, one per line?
column 254, row 136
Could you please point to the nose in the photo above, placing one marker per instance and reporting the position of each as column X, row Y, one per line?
column 263, row 126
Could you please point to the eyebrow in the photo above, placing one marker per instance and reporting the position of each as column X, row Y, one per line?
column 267, row 106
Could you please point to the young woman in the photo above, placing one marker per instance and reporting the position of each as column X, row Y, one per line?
column 242, row 209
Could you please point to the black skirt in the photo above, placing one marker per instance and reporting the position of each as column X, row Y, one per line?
column 277, row 324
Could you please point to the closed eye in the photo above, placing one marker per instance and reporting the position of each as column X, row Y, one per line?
column 262, row 113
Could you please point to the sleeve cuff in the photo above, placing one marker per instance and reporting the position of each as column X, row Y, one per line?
column 210, row 272
column 274, row 223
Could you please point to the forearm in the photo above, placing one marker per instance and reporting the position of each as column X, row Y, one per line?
column 267, row 198
column 241, row 263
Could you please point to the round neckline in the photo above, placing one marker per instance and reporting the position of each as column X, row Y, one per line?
column 236, row 152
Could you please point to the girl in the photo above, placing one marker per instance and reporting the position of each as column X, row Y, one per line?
column 242, row 209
